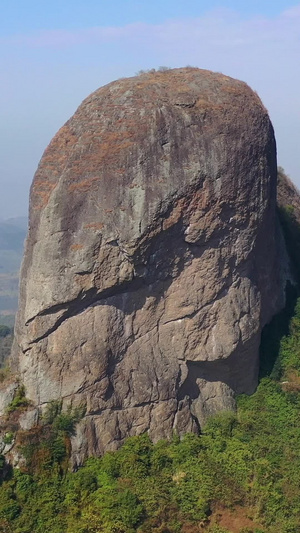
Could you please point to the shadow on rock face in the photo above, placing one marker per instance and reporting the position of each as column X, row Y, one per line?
column 230, row 371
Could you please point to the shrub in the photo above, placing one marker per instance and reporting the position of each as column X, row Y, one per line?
column 19, row 400
column 62, row 421
column 8, row 438
column 53, row 409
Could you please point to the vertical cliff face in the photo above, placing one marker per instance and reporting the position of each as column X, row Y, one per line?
column 151, row 261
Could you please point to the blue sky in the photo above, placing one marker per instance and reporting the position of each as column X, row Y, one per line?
column 53, row 54
column 24, row 16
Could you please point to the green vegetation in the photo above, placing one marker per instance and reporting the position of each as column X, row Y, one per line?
column 153, row 70
column 249, row 461
column 8, row 438
column 19, row 400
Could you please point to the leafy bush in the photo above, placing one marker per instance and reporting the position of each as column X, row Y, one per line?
column 62, row 421
column 8, row 438
column 19, row 400
column 53, row 409
column 47, row 445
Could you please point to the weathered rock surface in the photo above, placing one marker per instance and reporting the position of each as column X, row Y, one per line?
column 151, row 263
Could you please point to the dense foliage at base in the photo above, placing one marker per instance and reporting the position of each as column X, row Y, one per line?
column 249, row 460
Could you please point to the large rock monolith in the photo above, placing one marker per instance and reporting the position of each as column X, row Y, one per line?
column 151, row 263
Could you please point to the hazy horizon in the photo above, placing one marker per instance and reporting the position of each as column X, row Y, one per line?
column 54, row 56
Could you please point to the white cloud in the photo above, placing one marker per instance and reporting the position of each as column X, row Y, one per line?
column 218, row 27
column 63, row 66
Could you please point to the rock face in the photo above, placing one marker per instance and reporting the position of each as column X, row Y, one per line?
column 151, row 261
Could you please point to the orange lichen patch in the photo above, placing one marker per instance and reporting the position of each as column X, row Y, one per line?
column 109, row 148
column 120, row 170
column 202, row 103
column 94, row 226
column 200, row 201
column 152, row 79
column 54, row 160
column 42, row 190
column 84, row 281
column 61, row 144
column 172, row 218
column 114, row 147
column 217, row 107
column 64, row 139
column 82, row 186
column 175, row 214
column 146, row 83
column 75, row 247
column 232, row 89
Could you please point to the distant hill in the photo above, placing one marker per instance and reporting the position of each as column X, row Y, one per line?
column 12, row 237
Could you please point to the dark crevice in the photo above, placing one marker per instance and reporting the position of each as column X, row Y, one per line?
column 158, row 260
column 291, row 231
column 238, row 371
column 110, row 371
column 98, row 412
column 81, row 303
column 195, row 420
column 178, row 378
column 109, row 391
column 272, row 334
